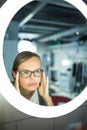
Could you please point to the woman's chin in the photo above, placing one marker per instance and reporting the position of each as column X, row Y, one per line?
column 32, row 89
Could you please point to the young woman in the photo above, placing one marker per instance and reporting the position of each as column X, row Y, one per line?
column 29, row 78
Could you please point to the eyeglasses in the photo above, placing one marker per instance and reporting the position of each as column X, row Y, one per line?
column 28, row 73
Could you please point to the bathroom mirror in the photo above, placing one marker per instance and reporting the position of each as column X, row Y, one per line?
column 58, row 31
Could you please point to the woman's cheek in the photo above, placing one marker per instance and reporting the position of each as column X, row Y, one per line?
column 22, row 81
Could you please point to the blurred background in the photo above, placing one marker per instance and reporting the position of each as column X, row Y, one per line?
column 57, row 31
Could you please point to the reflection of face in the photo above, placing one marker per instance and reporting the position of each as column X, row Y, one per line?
column 30, row 83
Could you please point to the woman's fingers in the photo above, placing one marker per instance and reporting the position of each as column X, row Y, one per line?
column 44, row 86
column 17, row 82
column 46, row 81
column 47, row 85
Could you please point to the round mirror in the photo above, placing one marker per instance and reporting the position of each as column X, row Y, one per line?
column 57, row 31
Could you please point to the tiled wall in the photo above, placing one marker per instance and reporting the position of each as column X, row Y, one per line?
column 12, row 119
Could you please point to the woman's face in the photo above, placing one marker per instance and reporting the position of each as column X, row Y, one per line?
column 31, row 82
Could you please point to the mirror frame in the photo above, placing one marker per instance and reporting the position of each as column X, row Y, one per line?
column 9, row 92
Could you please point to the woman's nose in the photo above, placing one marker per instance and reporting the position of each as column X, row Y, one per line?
column 32, row 75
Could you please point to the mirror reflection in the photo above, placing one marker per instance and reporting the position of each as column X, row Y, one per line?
column 57, row 31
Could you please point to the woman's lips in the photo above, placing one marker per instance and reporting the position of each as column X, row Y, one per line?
column 32, row 84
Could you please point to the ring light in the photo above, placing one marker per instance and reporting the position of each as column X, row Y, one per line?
column 7, row 11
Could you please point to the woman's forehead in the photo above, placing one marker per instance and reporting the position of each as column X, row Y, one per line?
column 31, row 64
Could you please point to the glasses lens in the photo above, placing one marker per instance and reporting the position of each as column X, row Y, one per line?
column 25, row 74
column 38, row 72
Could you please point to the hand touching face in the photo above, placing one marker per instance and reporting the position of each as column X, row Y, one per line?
column 44, row 86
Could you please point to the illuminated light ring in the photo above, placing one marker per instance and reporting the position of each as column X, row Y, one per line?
column 8, row 10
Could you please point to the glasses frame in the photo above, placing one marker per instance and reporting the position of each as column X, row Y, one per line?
column 31, row 72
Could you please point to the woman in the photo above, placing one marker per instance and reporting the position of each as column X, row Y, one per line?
column 30, row 79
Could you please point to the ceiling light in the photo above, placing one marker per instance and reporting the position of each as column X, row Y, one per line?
column 25, row 45
column 66, row 62
column 29, row 36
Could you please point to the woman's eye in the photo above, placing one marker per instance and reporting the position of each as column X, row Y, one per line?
column 38, row 71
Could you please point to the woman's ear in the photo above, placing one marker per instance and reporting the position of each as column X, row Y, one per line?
column 14, row 74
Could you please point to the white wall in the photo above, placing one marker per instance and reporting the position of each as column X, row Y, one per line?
column 13, row 119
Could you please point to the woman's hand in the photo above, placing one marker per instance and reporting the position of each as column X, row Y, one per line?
column 44, row 90
column 16, row 83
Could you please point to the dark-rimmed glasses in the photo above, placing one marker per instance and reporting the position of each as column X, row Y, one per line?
column 28, row 73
